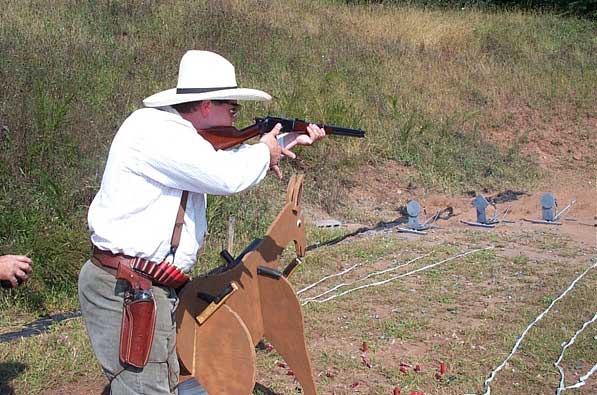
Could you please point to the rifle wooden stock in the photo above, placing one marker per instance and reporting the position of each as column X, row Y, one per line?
column 225, row 137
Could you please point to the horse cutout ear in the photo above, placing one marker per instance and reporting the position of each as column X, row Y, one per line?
column 290, row 188
column 295, row 189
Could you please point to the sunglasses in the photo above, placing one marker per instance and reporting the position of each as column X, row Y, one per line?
column 233, row 110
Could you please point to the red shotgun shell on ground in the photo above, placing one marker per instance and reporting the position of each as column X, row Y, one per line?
column 364, row 347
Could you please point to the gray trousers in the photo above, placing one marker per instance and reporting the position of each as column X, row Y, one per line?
column 101, row 297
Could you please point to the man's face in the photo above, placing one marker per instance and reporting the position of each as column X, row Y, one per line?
column 212, row 113
column 223, row 112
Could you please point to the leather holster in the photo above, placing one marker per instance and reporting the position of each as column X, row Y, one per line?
column 138, row 318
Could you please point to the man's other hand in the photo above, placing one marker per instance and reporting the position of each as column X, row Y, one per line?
column 314, row 133
column 15, row 269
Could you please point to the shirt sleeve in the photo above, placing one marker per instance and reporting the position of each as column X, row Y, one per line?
column 173, row 154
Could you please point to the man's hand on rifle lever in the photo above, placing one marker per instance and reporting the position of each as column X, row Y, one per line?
column 276, row 152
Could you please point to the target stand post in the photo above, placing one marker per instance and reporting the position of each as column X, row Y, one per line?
column 413, row 209
column 549, row 214
column 481, row 204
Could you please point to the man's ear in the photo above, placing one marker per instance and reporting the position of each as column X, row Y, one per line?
column 205, row 107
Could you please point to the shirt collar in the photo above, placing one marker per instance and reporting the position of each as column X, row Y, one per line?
column 169, row 109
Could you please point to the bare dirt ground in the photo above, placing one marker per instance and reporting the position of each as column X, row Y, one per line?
column 377, row 196
column 384, row 193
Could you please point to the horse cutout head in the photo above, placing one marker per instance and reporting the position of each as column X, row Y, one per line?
column 288, row 226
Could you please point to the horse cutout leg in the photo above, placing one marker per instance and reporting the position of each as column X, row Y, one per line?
column 283, row 327
column 219, row 353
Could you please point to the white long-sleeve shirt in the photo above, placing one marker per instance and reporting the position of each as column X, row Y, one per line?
column 155, row 155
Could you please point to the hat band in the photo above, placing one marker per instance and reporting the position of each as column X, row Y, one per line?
column 182, row 91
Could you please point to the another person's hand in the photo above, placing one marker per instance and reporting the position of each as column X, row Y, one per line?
column 314, row 133
column 275, row 151
column 15, row 269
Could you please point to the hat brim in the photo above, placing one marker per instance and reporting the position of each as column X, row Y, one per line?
column 170, row 97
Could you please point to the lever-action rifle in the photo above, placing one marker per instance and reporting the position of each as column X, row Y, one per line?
column 223, row 137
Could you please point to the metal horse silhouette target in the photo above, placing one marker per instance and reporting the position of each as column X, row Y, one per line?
column 224, row 314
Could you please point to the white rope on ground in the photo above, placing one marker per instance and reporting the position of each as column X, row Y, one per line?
column 517, row 344
column 366, row 277
column 328, row 277
column 397, row 277
column 335, row 287
column 583, row 379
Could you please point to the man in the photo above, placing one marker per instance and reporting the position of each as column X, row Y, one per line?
column 155, row 156
column 14, row 270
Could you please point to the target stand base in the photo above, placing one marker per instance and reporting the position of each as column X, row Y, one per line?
column 542, row 222
column 413, row 231
column 479, row 224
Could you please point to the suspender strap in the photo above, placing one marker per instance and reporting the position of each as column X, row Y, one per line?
column 177, row 231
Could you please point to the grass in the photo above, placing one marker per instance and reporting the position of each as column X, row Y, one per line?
column 415, row 325
column 36, row 364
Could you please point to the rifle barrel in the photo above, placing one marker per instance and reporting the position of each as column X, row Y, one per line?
column 289, row 125
column 340, row 131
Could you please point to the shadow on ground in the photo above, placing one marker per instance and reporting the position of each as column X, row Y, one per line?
column 261, row 389
column 8, row 372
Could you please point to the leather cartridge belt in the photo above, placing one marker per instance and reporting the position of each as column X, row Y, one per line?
column 163, row 273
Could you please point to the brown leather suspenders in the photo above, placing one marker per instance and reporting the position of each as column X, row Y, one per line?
column 177, row 231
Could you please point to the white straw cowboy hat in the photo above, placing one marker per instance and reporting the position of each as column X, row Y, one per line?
column 204, row 75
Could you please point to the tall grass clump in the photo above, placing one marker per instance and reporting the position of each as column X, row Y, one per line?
column 431, row 88
column 436, row 148
column 580, row 8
